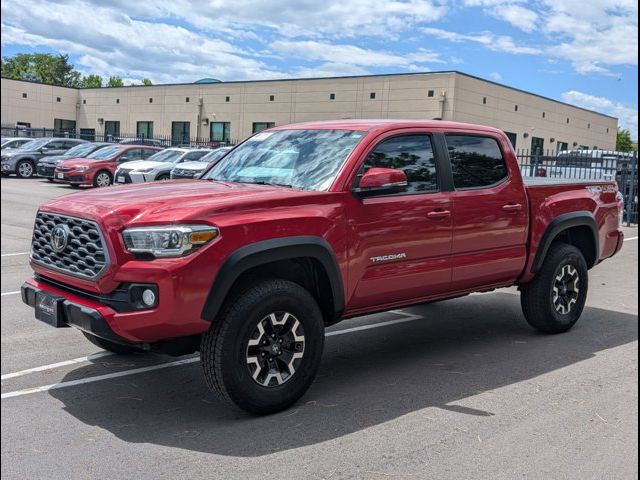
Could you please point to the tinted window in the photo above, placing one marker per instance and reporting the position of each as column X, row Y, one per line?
column 475, row 161
column 192, row 156
column 412, row 154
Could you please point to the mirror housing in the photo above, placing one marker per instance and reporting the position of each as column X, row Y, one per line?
column 381, row 181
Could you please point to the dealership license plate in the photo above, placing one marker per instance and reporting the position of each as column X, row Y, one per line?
column 61, row 175
column 120, row 180
column 49, row 309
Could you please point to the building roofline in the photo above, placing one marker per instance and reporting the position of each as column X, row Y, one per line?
column 233, row 82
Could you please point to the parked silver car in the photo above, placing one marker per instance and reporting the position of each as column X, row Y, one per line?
column 194, row 169
column 24, row 160
column 9, row 143
column 157, row 166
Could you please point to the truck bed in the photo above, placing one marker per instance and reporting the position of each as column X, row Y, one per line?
column 545, row 181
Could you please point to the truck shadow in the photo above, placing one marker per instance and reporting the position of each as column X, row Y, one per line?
column 461, row 348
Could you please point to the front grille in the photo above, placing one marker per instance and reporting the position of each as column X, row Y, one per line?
column 180, row 173
column 123, row 173
column 64, row 169
column 85, row 254
column 45, row 170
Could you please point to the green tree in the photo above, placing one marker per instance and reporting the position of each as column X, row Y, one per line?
column 43, row 67
column 115, row 82
column 623, row 140
column 91, row 81
column 146, row 81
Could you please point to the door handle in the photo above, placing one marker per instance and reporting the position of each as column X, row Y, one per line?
column 438, row 214
column 512, row 207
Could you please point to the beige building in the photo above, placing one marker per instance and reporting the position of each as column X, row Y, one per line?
column 231, row 111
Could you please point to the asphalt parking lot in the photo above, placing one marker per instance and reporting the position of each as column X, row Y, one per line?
column 456, row 389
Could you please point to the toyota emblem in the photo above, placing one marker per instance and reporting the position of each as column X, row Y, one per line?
column 59, row 238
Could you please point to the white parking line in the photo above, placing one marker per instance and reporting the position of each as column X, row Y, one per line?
column 9, row 293
column 54, row 386
column 51, row 366
column 630, row 238
column 14, row 254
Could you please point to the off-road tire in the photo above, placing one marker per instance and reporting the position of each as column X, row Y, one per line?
column 537, row 296
column 224, row 347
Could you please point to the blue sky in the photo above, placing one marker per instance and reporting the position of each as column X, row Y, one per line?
column 583, row 52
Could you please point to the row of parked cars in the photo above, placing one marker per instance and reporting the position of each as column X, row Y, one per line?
column 81, row 163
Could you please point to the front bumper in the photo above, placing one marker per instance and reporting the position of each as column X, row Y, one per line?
column 8, row 166
column 77, row 312
column 74, row 177
column 134, row 177
column 45, row 171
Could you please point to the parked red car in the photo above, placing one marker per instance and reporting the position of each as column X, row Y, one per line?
column 301, row 226
column 99, row 167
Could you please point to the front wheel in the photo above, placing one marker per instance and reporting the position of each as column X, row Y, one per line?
column 162, row 177
column 264, row 351
column 25, row 169
column 553, row 301
column 102, row 179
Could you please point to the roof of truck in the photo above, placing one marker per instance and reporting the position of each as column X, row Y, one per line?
column 371, row 124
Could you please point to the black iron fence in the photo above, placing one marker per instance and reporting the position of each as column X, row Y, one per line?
column 588, row 165
column 93, row 136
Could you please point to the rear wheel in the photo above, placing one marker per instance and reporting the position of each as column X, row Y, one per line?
column 25, row 169
column 102, row 179
column 164, row 176
column 111, row 346
column 554, row 300
column 264, row 351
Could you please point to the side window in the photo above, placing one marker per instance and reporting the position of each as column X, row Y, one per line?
column 476, row 161
column 57, row 145
column 192, row 156
column 130, row 154
column 411, row 153
column 70, row 144
column 147, row 152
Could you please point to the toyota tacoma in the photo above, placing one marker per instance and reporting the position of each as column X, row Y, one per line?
column 302, row 226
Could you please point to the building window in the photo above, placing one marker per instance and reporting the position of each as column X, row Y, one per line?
column 372, row 95
column 484, row 100
column 562, row 146
column 64, row 126
column 180, row 132
column 588, row 125
column 332, row 96
column 186, row 99
column 272, row 98
column 430, row 93
column 516, row 108
column 537, row 146
column 117, row 100
column 150, row 100
column 220, row 131
column 544, row 114
column 567, row 120
column 513, row 137
column 259, row 126
column 58, row 99
column 144, row 129
column 84, row 101
column 227, row 99
column 607, row 130
column 24, row 95
column 111, row 129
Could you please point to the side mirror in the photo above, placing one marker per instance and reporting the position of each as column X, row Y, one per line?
column 381, row 181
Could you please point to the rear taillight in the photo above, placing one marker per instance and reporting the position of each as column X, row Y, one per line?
column 541, row 172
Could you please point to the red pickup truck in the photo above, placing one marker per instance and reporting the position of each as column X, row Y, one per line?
column 304, row 225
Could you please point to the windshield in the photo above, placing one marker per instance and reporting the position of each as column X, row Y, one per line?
column 305, row 159
column 34, row 144
column 166, row 156
column 104, row 153
column 214, row 156
column 81, row 150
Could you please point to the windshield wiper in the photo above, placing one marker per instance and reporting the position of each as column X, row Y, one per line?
column 262, row 182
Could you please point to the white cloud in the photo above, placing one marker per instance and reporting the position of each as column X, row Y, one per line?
column 495, row 76
column 627, row 116
column 510, row 11
column 491, row 41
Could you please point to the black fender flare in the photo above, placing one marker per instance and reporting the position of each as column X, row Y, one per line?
column 267, row 251
column 561, row 223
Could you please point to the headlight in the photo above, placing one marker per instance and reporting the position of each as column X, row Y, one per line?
column 145, row 170
column 168, row 241
column 82, row 169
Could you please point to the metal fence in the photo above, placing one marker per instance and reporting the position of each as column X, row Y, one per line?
column 588, row 165
column 93, row 136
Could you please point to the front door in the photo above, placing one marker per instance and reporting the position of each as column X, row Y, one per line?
column 400, row 243
column 489, row 212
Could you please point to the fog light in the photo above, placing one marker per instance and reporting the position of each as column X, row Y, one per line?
column 148, row 297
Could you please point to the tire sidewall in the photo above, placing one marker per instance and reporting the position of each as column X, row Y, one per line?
column 241, row 387
column 22, row 162
column 576, row 260
column 102, row 172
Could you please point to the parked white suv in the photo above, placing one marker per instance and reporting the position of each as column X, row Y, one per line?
column 586, row 164
column 157, row 166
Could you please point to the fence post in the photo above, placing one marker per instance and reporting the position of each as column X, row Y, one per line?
column 632, row 186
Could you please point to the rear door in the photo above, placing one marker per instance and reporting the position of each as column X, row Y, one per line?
column 490, row 215
column 400, row 243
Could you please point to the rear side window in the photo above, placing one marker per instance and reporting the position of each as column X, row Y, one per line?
column 476, row 161
column 411, row 153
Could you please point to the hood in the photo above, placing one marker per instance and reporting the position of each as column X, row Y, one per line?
column 192, row 165
column 174, row 201
column 13, row 152
column 144, row 164
column 79, row 162
column 54, row 159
